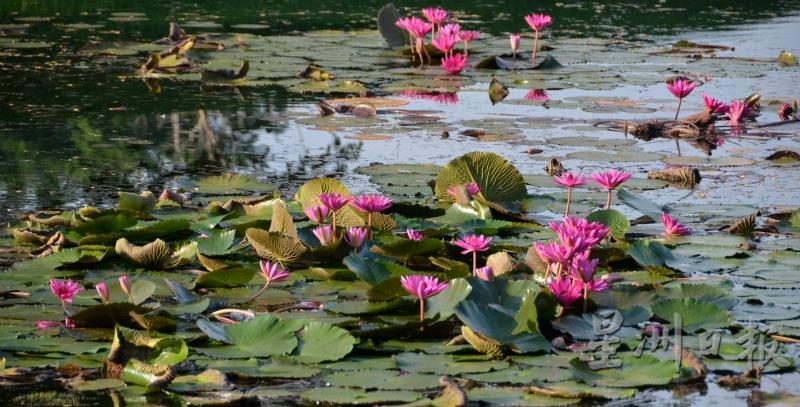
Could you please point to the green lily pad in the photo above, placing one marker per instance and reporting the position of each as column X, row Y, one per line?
column 642, row 371
column 695, row 315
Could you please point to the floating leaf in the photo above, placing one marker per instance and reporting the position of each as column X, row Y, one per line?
column 261, row 336
column 320, row 342
column 229, row 184
column 636, row 371
column 695, row 315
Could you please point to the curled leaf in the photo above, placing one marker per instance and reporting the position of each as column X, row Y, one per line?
column 153, row 255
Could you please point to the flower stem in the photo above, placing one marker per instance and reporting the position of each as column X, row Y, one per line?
column 421, row 310
column 466, row 49
column 474, row 262
column 333, row 224
column 369, row 225
column 608, row 200
column 535, row 45
column 680, row 101
column 261, row 291
column 569, row 197
column 585, row 296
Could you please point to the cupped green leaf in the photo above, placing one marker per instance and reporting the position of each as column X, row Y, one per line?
column 497, row 178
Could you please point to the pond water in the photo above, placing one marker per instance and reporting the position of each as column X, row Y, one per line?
column 78, row 124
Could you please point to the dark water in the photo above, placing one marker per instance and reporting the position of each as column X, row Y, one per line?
column 74, row 130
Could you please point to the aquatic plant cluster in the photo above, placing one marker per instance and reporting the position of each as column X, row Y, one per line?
column 444, row 37
column 261, row 287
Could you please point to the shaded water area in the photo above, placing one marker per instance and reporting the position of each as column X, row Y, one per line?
column 79, row 124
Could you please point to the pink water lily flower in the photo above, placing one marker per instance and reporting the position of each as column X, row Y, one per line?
column 102, row 291
column 610, row 180
column 317, row 213
column 325, row 234
column 355, row 236
column 371, row 203
column 680, row 88
column 484, row 273
column 466, row 37
column 454, row 63
column 445, row 42
column 579, row 234
column 554, row 253
column 451, row 29
column 514, row 40
column 537, row 94
column 435, row 15
column 570, row 180
column 737, row 113
column 566, row 290
column 672, row 228
column 334, row 202
column 714, row 106
column 125, row 285
column 422, row 287
column 474, row 244
column 414, row 235
column 537, row 22
column 272, row 273
column 64, row 290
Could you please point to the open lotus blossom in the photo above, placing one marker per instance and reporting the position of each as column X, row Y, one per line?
column 514, row 40
column 317, row 213
column 454, row 63
column 125, row 285
column 579, row 234
column 474, row 244
column 102, row 291
column 371, row 203
column 418, row 30
column 569, row 181
column 555, row 255
column 466, row 37
column 737, row 113
column 334, row 202
column 485, row 273
column 445, row 43
column 537, row 94
column 680, row 88
column 64, row 290
column 435, row 15
column 672, row 228
column 271, row 272
column 610, row 180
column 714, row 106
column 355, row 236
column 405, row 23
column 537, row 22
column 325, row 234
column 414, row 235
column 422, row 287
column 785, row 111
column 583, row 271
column 566, row 290
column 451, row 29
